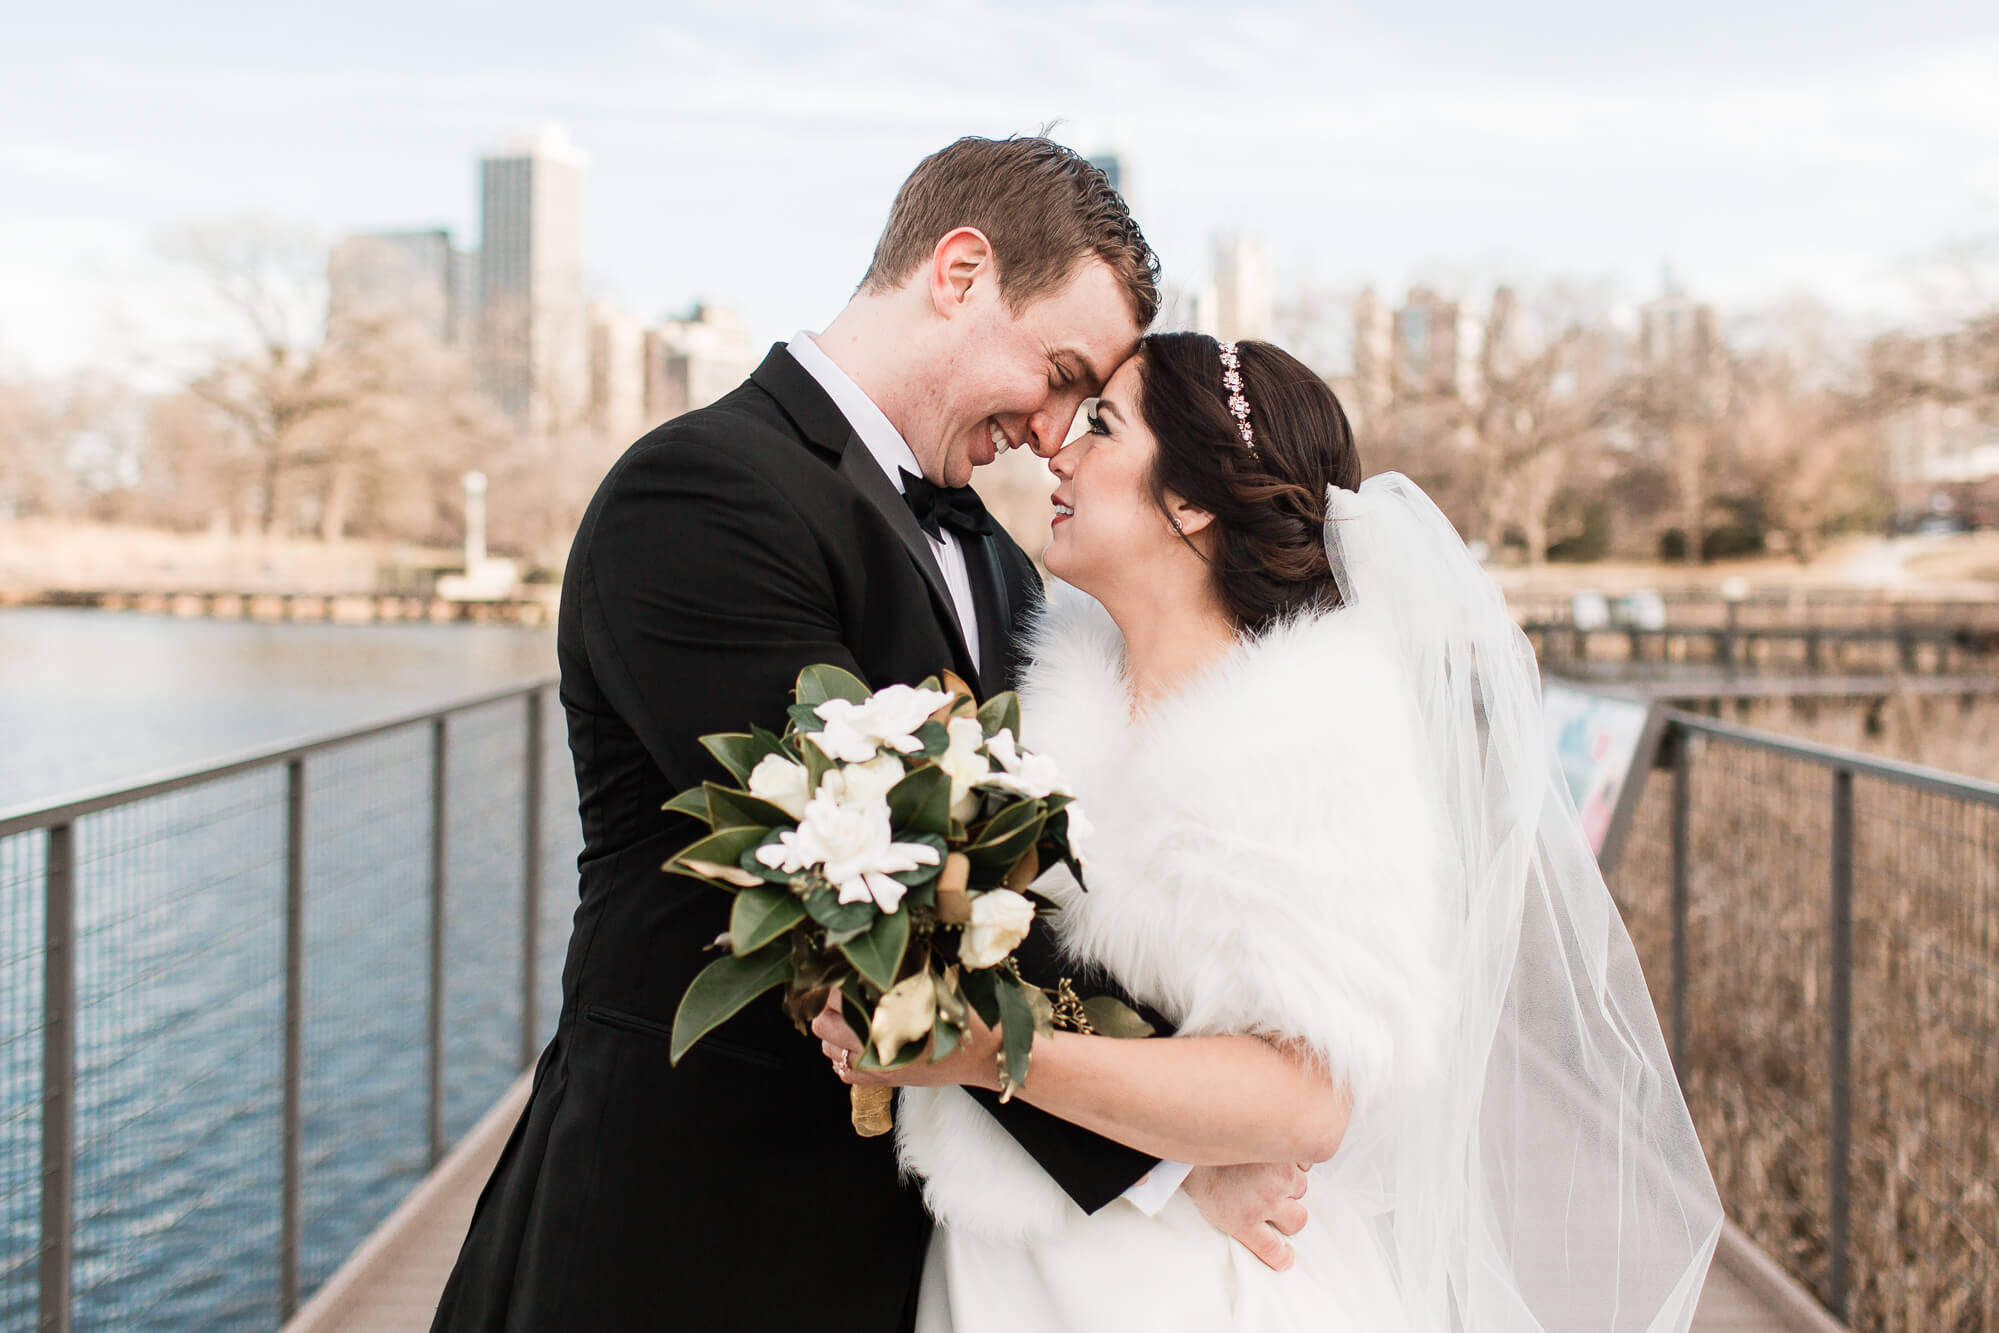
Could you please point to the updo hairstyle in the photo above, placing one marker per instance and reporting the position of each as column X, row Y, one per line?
column 1269, row 552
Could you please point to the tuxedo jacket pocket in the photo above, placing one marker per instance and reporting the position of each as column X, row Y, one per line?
column 605, row 1016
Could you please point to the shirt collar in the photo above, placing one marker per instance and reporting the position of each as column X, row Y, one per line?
column 885, row 443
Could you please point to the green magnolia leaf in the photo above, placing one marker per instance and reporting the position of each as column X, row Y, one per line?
column 1014, row 815
column 804, row 718
column 748, row 861
column 733, row 749
column 1002, row 711
column 1016, row 1028
column 723, row 848
column 1112, row 1017
column 993, row 859
column 825, row 907
column 877, row 955
column 721, row 990
column 934, row 738
column 921, row 802
column 693, row 801
column 981, row 991
column 728, row 808
column 763, row 743
column 1044, row 1010
column 923, row 874
column 943, row 1038
column 760, row 916
column 817, row 684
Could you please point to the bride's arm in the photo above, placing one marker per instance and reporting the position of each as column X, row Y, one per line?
column 1206, row 1101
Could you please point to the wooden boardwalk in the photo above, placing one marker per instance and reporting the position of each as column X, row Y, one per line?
column 391, row 1284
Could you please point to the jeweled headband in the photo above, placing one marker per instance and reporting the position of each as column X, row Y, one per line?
column 1238, row 405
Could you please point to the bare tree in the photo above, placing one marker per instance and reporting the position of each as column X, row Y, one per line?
column 1802, row 452
column 268, row 374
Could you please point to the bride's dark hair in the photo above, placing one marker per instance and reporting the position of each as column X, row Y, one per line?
column 1269, row 550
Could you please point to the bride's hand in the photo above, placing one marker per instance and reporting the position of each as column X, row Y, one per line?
column 974, row 1064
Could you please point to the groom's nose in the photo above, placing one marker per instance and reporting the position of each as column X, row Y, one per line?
column 1047, row 431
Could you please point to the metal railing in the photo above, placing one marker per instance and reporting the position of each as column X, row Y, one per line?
column 271, row 993
column 1822, row 933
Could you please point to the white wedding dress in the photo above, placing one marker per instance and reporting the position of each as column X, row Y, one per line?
column 1348, row 834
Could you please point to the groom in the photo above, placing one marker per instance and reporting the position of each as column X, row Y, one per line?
column 816, row 514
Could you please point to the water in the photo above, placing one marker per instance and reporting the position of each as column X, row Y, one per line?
column 92, row 698
column 180, row 940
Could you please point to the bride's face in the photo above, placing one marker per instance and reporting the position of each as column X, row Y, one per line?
column 1105, row 517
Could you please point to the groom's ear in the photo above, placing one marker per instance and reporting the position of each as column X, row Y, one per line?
column 961, row 269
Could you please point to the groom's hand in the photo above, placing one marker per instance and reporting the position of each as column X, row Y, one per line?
column 1259, row 1204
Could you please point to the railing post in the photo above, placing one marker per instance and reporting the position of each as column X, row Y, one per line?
column 58, row 1078
column 531, row 878
column 434, row 1017
column 291, row 1217
column 1839, row 1028
column 1682, row 817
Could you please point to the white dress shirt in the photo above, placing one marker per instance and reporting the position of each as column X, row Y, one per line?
column 893, row 453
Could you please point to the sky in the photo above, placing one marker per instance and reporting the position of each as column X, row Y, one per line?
column 746, row 153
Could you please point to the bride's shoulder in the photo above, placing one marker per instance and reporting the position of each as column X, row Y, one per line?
column 1323, row 678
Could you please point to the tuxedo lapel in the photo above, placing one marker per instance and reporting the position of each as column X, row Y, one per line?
column 995, row 610
column 858, row 466
column 827, row 429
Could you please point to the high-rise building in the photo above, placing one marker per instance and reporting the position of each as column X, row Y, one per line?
column 1373, row 358
column 532, row 316
column 1426, row 343
column 414, row 273
column 691, row 362
column 617, row 372
column 1112, row 167
column 1678, row 335
column 1242, row 288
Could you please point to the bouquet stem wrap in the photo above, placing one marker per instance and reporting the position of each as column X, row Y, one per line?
column 874, row 1110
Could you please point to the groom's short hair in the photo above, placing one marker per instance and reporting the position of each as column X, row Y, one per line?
column 1044, row 207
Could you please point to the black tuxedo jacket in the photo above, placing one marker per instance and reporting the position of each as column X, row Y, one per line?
column 725, row 550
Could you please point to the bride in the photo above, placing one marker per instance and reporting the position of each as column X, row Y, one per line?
column 1332, row 847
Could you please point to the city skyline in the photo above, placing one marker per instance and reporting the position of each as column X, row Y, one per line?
column 747, row 158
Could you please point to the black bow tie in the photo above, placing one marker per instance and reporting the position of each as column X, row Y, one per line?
column 938, row 507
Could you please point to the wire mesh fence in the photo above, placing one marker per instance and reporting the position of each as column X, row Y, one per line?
column 162, row 945
column 1821, row 932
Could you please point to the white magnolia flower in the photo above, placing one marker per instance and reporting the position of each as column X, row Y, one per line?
column 1025, row 774
column 1000, row 920
column 855, row 733
column 782, row 783
column 854, row 848
column 965, row 765
column 1081, row 830
column 863, row 784
column 906, row 1012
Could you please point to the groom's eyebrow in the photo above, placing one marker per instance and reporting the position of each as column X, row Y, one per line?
column 1079, row 365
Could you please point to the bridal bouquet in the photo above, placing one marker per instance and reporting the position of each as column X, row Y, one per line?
column 882, row 848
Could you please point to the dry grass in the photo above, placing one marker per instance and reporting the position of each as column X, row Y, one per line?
column 1924, row 1237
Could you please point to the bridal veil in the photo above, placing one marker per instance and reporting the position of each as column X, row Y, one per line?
column 1549, row 1178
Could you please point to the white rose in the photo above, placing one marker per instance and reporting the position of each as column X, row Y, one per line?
column 855, row 733
column 863, row 784
column 965, row 765
column 854, row 848
column 906, row 1012
column 1025, row 774
column 1000, row 920
column 782, row 783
